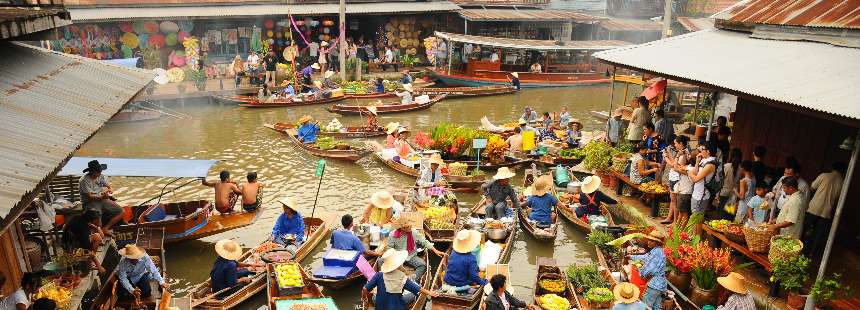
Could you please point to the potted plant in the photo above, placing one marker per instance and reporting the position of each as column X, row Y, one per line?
column 677, row 248
column 792, row 274
column 828, row 289
column 706, row 264
column 199, row 79
column 598, row 158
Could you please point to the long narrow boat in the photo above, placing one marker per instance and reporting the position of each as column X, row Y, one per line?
column 345, row 133
column 150, row 240
column 338, row 284
column 281, row 103
column 540, row 234
column 510, row 162
column 547, row 268
column 187, row 220
column 455, row 181
column 310, row 293
column 606, row 272
column 352, row 154
column 315, row 229
column 370, row 95
column 385, row 108
column 475, row 91
column 568, row 213
column 421, row 299
column 465, row 302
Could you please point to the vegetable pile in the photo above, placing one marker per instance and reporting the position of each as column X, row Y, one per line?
column 585, row 277
column 718, row 225
column 787, row 245
column 572, row 153
column 599, row 295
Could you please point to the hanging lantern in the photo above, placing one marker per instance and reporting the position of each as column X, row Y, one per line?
column 269, row 33
column 170, row 39
column 326, row 30
column 168, row 27
column 268, row 24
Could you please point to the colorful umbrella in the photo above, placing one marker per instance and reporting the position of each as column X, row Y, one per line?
column 169, row 27
column 186, row 25
column 130, row 39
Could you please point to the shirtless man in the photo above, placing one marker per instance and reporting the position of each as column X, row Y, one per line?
column 224, row 191
column 250, row 190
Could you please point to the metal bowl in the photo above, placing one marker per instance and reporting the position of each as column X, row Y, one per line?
column 496, row 233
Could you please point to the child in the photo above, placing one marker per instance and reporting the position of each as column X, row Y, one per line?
column 757, row 205
column 744, row 191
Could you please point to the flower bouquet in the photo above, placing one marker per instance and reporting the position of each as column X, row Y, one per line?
column 706, row 264
column 423, row 140
column 679, row 244
column 496, row 149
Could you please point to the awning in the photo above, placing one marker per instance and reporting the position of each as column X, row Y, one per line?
column 90, row 14
column 817, row 76
column 540, row 45
column 625, row 25
column 526, row 15
column 696, row 24
column 143, row 167
column 50, row 103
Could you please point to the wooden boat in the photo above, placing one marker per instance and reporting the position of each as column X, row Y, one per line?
column 451, row 302
column 345, row 133
column 315, row 231
column 455, row 181
column 253, row 90
column 548, row 268
column 310, row 291
column 606, row 272
column 441, row 236
column 385, row 108
column 187, row 220
column 510, row 162
column 150, row 240
column 352, row 154
column 542, row 235
column 370, row 95
column 456, row 92
column 420, row 300
column 568, row 213
column 280, row 103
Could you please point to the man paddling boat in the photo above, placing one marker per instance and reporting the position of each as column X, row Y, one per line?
column 307, row 132
column 227, row 272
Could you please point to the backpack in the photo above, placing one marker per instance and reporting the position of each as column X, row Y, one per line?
column 714, row 184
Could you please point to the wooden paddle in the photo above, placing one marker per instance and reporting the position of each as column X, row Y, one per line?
column 197, row 302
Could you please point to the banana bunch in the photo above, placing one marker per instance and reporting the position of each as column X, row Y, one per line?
column 652, row 187
column 60, row 295
column 441, row 213
column 440, row 224
column 554, row 302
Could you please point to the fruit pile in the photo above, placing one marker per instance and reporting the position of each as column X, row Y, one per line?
column 333, row 126
column 457, row 168
column 439, row 218
column 653, row 187
column 718, row 225
column 572, row 153
column 266, row 246
column 734, row 229
column 60, row 295
column 552, row 285
column 495, row 224
column 599, row 295
column 554, row 302
column 288, row 275
column 355, row 87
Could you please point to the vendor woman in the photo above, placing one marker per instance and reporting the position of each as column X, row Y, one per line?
column 381, row 209
column 391, row 130
column 590, row 198
column 289, row 230
column 654, row 269
column 391, row 281
column 432, row 176
column 403, row 237
column 542, row 202
column 307, row 133
column 462, row 270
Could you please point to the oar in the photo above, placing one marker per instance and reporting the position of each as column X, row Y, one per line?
column 197, row 302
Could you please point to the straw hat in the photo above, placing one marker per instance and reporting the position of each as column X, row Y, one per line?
column 318, row 84
column 402, row 129
column 372, row 110
column 228, row 249
column 466, row 241
column 323, row 43
column 391, row 127
column 436, row 159
column 131, row 251
column 734, row 282
column 504, row 173
column 590, row 184
column 655, row 235
column 626, row 293
column 618, row 112
column 305, row 119
column 522, row 121
column 408, row 87
column 289, row 202
column 393, row 259
column 329, row 73
column 315, row 66
column 516, row 75
column 402, row 220
column 542, row 185
column 382, row 199
column 576, row 121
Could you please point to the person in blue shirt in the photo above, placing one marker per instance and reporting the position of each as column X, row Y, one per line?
column 227, row 274
column 542, row 202
column 394, row 290
column 462, row 271
column 289, row 90
column 574, row 133
column 307, row 72
column 380, row 85
column 289, row 229
column 345, row 239
column 590, row 198
column 134, row 271
column 307, row 133
column 653, row 267
column 406, row 78
column 515, row 80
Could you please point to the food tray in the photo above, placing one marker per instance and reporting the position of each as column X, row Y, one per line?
column 288, row 304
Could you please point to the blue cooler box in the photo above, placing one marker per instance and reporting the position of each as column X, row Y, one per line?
column 340, row 258
column 333, row 272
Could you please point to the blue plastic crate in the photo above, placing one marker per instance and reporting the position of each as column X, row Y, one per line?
column 333, row 272
column 340, row 258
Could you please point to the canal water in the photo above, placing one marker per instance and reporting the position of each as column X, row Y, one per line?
column 236, row 138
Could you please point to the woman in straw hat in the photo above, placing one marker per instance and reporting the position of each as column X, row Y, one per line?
column 394, row 290
column 574, row 133
column 498, row 191
column 432, row 176
column 391, row 130
column 542, row 202
column 627, row 297
column 462, row 270
column 227, row 272
column 653, row 269
column 135, row 270
column 590, row 197
column 406, row 95
column 404, row 237
column 327, row 81
column 402, row 143
column 381, row 209
column 372, row 123
column 307, row 72
column 740, row 298
column 289, row 229
column 308, row 130
column 514, row 78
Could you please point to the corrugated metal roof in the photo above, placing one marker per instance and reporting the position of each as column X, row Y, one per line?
column 579, row 5
column 696, row 24
column 526, row 15
column 19, row 21
column 50, row 104
column 540, row 45
column 817, row 76
column 811, row 13
column 630, row 25
column 115, row 13
column 708, row 6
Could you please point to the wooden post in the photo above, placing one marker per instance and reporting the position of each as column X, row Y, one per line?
column 450, row 51
column 612, row 92
column 342, row 41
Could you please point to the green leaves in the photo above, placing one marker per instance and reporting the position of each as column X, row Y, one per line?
column 791, row 272
column 585, row 277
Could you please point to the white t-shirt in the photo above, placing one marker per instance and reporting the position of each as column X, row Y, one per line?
column 389, row 56
column 699, row 192
column 314, row 48
column 494, row 57
column 18, row 297
column 253, row 61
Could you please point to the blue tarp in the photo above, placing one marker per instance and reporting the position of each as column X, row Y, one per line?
column 143, row 167
column 125, row 62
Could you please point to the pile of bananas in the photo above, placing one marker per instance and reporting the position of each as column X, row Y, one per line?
column 458, row 168
column 440, row 224
column 554, row 302
column 60, row 295
column 653, row 187
column 552, row 285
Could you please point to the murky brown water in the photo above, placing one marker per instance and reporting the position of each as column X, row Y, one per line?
column 235, row 137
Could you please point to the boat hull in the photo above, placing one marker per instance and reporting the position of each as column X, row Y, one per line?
column 384, row 109
column 538, row 81
column 351, row 155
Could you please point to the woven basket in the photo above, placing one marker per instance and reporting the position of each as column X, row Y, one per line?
column 739, row 238
column 758, row 240
column 775, row 253
column 664, row 209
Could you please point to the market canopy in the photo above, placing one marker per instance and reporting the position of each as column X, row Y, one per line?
column 526, row 15
column 540, row 45
column 142, row 167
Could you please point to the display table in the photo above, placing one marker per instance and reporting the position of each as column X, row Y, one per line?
column 760, row 258
column 653, row 199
